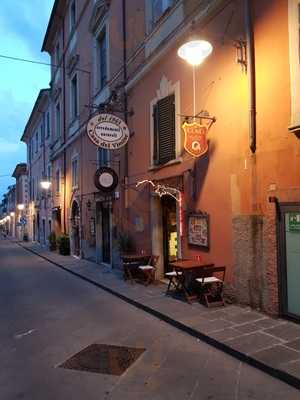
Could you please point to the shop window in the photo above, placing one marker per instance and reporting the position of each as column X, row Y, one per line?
column 164, row 141
column 102, row 59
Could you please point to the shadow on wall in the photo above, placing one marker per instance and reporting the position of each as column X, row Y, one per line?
column 200, row 170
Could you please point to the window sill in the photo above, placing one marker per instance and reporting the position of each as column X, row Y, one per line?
column 168, row 164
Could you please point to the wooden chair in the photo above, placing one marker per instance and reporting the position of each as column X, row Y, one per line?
column 211, row 282
column 148, row 270
column 173, row 280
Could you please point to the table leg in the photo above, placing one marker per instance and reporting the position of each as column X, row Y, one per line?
column 183, row 279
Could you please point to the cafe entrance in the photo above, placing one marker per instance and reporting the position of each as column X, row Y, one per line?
column 169, row 229
column 289, row 256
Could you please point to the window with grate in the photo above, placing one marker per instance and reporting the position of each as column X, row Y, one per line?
column 164, row 130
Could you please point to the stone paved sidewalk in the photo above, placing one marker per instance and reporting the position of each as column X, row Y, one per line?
column 273, row 345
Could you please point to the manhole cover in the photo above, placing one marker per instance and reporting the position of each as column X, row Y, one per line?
column 103, row 359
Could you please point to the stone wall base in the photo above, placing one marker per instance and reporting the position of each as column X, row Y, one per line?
column 255, row 263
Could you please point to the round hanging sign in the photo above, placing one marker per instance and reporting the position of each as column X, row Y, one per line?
column 106, row 179
column 108, row 131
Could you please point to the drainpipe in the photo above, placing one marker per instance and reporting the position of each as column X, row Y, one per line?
column 64, row 123
column 251, row 74
column 125, row 101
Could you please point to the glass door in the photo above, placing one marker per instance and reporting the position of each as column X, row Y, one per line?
column 290, row 259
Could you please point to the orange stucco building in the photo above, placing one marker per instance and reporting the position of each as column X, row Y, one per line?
column 238, row 204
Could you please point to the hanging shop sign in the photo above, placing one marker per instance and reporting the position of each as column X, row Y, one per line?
column 195, row 142
column 105, row 179
column 108, row 131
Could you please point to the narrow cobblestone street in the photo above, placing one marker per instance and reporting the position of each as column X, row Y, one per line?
column 48, row 315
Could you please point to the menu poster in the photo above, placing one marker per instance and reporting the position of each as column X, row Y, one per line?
column 198, row 229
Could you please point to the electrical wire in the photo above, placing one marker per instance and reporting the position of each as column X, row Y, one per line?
column 39, row 63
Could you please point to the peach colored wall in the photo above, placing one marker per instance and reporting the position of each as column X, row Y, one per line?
column 222, row 89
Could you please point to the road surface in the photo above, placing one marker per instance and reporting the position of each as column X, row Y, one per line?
column 47, row 315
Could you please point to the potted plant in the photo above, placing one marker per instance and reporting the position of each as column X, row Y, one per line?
column 63, row 242
column 52, row 241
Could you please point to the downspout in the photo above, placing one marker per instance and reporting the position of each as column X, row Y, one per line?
column 125, row 106
column 64, row 124
column 251, row 74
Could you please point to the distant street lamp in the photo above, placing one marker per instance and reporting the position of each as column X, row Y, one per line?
column 195, row 52
column 45, row 184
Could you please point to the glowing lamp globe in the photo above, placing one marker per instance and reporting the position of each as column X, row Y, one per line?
column 195, row 51
column 12, row 214
column 21, row 207
column 45, row 184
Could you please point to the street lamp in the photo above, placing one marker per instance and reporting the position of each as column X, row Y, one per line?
column 195, row 52
column 45, row 184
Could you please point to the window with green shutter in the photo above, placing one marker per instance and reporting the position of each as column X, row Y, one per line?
column 164, row 130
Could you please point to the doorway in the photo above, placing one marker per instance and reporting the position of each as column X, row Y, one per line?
column 75, row 223
column 170, row 234
column 103, row 232
column 289, row 259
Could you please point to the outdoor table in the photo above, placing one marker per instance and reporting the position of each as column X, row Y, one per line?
column 131, row 263
column 186, row 267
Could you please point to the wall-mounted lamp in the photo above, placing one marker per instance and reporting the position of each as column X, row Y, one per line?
column 20, row 207
column 12, row 214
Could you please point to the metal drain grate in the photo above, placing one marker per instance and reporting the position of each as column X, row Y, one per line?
column 103, row 359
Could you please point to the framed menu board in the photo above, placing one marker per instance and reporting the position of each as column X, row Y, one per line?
column 198, row 229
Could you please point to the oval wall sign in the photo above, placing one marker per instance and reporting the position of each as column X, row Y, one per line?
column 105, row 179
column 108, row 131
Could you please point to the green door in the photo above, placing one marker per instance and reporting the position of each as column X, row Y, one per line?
column 290, row 259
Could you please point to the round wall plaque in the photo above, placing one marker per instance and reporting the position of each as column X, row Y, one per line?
column 108, row 131
column 105, row 179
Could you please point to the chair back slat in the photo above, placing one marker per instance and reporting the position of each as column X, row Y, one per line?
column 153, row 260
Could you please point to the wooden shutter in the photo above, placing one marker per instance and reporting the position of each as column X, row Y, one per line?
column 155, row 136
column 166, row 129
